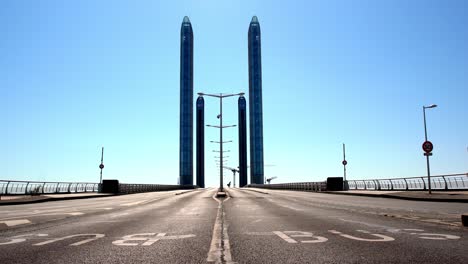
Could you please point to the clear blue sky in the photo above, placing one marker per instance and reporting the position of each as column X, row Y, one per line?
column 78, row 75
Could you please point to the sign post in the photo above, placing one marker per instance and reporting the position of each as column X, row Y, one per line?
column 101, row 166
column 344, row 167
column 427, row 146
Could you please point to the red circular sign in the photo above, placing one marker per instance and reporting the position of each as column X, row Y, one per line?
column 427, row 146
column 101, row 166
column 344, row 162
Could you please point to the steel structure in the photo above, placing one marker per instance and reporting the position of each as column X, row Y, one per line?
column 186, row 104
column 255, row 102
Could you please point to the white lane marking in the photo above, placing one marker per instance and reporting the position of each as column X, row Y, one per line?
column 96, row 236
column 21, row 238
column 105, row 208
column 382, row 238
column 16, row 222
column 220, row 249
column 149, row 239
column 285, row 237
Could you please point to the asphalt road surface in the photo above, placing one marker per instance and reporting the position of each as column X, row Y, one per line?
column 250, row 226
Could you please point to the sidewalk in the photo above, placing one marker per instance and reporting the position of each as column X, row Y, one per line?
column 27, row 199
column 436, row 196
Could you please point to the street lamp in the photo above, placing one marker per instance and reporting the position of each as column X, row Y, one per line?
column 220, row 117
column 427, row 153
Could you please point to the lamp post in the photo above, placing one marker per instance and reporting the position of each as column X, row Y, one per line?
column 427, row 154
column 220, row 117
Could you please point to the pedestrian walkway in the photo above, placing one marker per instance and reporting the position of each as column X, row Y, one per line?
column 436, row 196
column 24, row 199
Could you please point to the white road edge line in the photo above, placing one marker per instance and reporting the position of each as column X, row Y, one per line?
column 220, row 249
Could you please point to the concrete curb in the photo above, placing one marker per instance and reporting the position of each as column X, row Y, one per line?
column 423, row 199
column 50, row 199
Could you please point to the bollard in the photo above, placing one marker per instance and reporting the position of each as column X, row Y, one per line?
column 464, row 218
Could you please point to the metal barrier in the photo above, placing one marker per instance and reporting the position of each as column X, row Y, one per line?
column 449, row 182
column 32, row 187
column 295, row 186
column 127, row 188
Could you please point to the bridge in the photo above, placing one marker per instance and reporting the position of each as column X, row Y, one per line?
column 249, row 225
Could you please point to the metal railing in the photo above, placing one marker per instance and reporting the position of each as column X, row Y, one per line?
column 449, row 182
column 127, row 188
column 8, row 187
column 295, row 186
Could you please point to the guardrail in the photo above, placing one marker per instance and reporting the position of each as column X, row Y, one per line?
column 8, row 187
column 295, row 186
column 449, row 182
column 127, row 188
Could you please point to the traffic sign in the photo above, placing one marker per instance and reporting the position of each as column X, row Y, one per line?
column 344, row 162
column 427, row 146
column 101, row 166
column 428, row 154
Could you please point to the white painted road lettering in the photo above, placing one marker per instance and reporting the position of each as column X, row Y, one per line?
column 381, row 238
column 288, row 236
column 285, row 237
column 431, row 236
column 96, row 236
column 149, row 238
column 21, row 238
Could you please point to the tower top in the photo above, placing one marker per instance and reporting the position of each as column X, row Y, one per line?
column 254, row 19
column 186, row 19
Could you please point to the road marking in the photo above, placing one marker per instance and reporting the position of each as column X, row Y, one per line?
column 382, row 238
column 319, row 239
column 288, row 236
column 433, row 236
column 220, row 249
column 96, row 236
column 285, row 237
column 149, row 239
column 16, row 222
column 21, row 238
column 134, row 237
